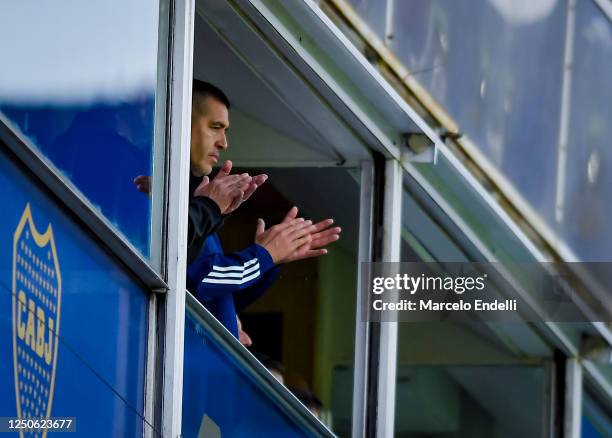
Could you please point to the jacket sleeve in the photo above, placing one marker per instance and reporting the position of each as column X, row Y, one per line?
column 216, row 274
column 249, row 295
column 204, row 218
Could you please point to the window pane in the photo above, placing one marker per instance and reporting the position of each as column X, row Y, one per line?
column 461, row 379
column 306, row 319
column 215, row 384
column 469, row 401
column 477, row 58
column 596, row 416
column 73, row 325
column 588, row 187
column 374, row 12
column 78, row 79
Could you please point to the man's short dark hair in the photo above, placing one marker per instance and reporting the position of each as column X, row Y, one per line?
column 307, row 398
column 270, row 363
column 202, row 90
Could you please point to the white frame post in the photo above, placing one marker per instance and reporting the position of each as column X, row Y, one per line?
column 387, row 354
column 179, row 137
column 573, row 398
column 360, row 373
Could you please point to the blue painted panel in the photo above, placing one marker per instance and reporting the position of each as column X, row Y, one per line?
column 83, row 92
column 72, row 323
column 219, row 396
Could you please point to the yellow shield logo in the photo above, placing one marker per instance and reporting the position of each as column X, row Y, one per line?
column 37, row 292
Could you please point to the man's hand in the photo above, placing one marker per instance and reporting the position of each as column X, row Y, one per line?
column 283, row 239
column 143, row 184
column 321, row 236
column 257, row 181
column 243, row 336
column 225, row 189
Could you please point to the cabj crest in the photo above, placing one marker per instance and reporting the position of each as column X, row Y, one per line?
column 37, row 292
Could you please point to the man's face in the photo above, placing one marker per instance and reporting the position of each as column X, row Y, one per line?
column 208, row 129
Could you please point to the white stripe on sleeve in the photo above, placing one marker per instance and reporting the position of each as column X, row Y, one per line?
column 236, row 281
column 235, row 267
column 233, row 274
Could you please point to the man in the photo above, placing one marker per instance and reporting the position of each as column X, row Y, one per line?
column 209, row 201
column 227, row 282
column 212, row 200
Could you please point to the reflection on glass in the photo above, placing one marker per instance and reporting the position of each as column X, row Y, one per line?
column 587, row 190
column 459, row 380
column 375, row 11
column 81, row 87
column 469, row 401
column 477, row 58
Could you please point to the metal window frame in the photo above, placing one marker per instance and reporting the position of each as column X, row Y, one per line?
column 362, row 328
column 150, row 367
column 154, row 359
column 158, row 183
column 387, row 353
column 376, row 342
column 178, row 135
column 572, row 420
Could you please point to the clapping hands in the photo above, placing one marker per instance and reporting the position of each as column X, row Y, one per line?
column 295, row 238
column 229, row 191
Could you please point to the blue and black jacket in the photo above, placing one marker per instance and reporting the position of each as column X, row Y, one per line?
column 227, row 283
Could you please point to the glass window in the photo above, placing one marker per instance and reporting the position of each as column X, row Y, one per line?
column 306, row 319
column 596, row 419
column 374, row 11
column 476, row 59
column 73, row 325
column 460, row 379
column 588, row 184
column 78, row 80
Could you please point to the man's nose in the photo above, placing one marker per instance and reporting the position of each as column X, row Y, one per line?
column 222, row 142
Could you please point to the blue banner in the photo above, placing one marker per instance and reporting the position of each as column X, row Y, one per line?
column 220, row 397
column 72, row 323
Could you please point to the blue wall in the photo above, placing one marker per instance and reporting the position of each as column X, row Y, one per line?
column 81, row 352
